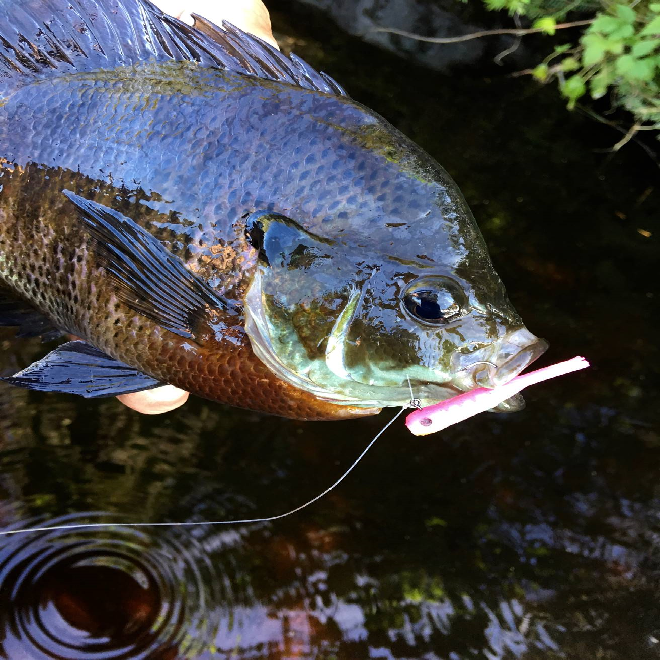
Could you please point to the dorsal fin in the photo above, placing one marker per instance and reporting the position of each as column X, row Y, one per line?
column 39, row 38
column 268, row 61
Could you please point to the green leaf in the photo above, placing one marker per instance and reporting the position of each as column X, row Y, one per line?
column 614, row 46
column 644, row 47
column 652, row 28
column 540, row 72
column 562, row 48
column 655, row 6
column 624, row 64
column 623, row 32
column 518, row 6
column 605, row 24
column 495, row 4
column 645, row 69
column 626, row 13
column 573, row 88
column 546, row 24
column 635, row 69
column 570, row 64
column 513, row 6
column 595, row 47
column 601, row 81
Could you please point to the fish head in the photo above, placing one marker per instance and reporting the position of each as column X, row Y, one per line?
column 433, row 333
column 352, row 326
column 400, row 300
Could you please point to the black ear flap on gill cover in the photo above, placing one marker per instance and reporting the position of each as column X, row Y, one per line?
column 282, row 243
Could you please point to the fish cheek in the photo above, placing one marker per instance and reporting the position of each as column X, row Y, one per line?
column 302, row 319
column 313, row 320
column 305, row 283
column 378, row 345
column 386, row 347
column 295, row 300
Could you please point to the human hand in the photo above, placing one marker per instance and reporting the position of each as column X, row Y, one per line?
column 251, row 16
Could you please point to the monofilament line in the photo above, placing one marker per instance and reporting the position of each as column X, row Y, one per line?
column 213, row 522
column 414, row 402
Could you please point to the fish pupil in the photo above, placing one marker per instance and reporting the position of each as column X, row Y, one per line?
column 429, row 309
column 425, row 305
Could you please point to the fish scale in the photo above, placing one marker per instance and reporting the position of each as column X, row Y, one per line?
column 44, row 212
column 187, row 201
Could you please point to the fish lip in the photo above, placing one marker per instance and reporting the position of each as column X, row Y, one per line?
column 507, row 358
column 519, row 362
column 523, row 348
column 514, row 403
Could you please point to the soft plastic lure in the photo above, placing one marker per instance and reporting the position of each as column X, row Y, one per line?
column 441, row 415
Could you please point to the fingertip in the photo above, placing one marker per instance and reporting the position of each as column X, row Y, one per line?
column 156, row 401
column 249, row 15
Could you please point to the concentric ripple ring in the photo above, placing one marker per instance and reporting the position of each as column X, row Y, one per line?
column 105, row 593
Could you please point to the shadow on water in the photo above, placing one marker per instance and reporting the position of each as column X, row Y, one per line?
column 533, row 535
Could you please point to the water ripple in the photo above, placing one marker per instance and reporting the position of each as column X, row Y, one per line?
column 105, row 594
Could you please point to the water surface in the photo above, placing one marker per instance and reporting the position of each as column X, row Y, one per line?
column 532, row 535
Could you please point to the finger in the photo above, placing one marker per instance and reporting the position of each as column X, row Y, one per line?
column 249, row 15
column 152, row 402
column 156, row 401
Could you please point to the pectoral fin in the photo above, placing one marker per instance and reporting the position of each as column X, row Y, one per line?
column 78, row 368
column 30, row 322
column 148, row 278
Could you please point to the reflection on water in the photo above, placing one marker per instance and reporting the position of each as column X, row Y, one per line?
column 118, row 593
column 534, row 535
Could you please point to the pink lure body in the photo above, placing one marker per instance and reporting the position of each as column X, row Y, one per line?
column 441, row 415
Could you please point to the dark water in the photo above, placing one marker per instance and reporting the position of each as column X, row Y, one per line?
column 533, row 535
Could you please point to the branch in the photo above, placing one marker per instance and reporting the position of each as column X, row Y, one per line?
column 594, row 115
column 518, row 32
column 513, row 47
column 632, row 131
column 627, row 137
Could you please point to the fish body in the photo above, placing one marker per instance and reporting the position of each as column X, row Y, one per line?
column 202, row 211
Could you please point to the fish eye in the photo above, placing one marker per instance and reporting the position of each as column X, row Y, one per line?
column 434, row 300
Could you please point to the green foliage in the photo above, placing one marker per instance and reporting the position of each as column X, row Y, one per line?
column 618, row 53
column 547, row 24
column 512, row 6
column 573, row 88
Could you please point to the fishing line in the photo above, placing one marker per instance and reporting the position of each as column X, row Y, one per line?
column 414, row 403
column 216, row 522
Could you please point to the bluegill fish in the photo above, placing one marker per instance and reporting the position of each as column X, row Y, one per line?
column 204, row 211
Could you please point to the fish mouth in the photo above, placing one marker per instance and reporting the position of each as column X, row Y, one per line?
column 511, row 355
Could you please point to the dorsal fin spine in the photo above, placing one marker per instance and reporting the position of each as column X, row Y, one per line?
column 45, row 37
